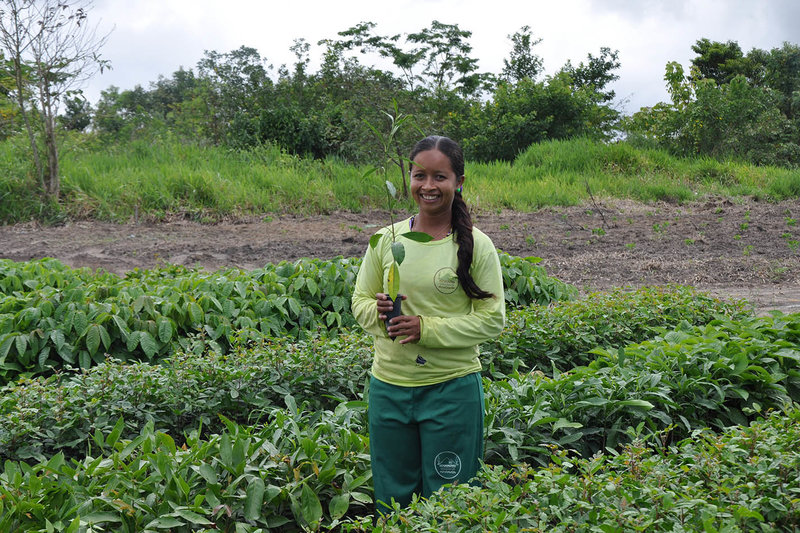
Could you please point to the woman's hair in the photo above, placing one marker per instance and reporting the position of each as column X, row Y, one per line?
column 461, row 219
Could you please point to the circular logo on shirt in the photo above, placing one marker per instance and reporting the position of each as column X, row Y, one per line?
column 447, row 465
column 445, row 280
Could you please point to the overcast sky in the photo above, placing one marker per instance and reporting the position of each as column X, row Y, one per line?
column 156, row 37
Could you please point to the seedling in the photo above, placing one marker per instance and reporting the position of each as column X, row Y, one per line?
column 630, row 245
column 689, row 242
column 388, row 143
column 790, row 221
column 530, row 240
column 748, row 249
column 398, row 252
column 599, row 231
column 503, row 226
column 659, row 228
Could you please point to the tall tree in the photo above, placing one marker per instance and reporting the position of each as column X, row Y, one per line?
column 53, row 50
column 522, row 62
column 721, row 62
column 596, row 73
column 448, row 65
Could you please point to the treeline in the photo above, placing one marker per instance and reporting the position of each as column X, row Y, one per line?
column 729, row 105
column 235, row 98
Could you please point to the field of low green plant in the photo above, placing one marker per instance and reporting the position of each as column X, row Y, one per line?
column 160, row 177
column 182, row 400
column 52, row 316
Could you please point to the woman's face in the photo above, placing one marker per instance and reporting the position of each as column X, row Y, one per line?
column 433, row 182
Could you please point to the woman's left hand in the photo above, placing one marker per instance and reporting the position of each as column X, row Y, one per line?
column 405, row 326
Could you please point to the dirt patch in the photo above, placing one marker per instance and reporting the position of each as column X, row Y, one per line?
column 734, row 250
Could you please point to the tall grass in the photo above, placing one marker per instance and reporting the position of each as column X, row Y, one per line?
column 160, row 177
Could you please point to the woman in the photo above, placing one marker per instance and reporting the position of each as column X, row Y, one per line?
column 426, row 397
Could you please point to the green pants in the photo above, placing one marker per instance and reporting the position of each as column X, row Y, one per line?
column 424, row 437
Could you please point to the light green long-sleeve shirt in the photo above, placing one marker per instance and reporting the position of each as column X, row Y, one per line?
column 452, row 324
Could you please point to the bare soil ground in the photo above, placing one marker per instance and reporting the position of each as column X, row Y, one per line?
column 734, row 250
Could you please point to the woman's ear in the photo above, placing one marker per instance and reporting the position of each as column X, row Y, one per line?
column 459, row 182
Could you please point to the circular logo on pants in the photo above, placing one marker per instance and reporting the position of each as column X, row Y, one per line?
column 447, row 465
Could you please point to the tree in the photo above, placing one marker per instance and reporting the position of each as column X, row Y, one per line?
column 77, row 115
column 782, row 74
column 53, row 50
column 235, row 85
column 448, row 65
column 522, row 62
column 721, row 62
column 596, row 73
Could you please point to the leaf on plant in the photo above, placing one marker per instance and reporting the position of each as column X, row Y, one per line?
column 254, row 499
column 369, row 172
column 58, row 338
column 310, row 507
column 393, row 280
column 193, row 517
column 564, row 423
column 418, row 236
column 398, row 252
column 642, row 404
column 93, row 339
column 391, row 188
column 375, row 239
column 99, row 518
column 164, row 330
column 148, row 344
column 338, row 505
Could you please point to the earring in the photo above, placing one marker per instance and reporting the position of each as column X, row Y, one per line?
column 460, row 189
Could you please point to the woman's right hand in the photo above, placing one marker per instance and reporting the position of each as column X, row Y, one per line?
column 385, row 304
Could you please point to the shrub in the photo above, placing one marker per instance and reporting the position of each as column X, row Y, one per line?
column 746, row 479
column 42, row 416
column 718, row 375
column 54, row 317
column 300, row 468
column 563, row 334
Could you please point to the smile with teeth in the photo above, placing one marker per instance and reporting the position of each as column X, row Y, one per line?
column 429, row 196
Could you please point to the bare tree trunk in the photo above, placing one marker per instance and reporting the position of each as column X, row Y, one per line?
column 53, row 178
column 62, row 50
column 12, row 40
column 37, row 160
column 53, row 183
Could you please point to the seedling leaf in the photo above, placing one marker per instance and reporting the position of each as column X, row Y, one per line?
column 393, row 280
column 417, row 236
column 398, row 252
column 391, row 188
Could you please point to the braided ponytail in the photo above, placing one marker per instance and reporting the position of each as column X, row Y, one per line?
column 461, row 220
column 462, row 232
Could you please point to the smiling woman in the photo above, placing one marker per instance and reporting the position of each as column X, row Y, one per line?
column 426, row 396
